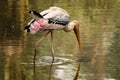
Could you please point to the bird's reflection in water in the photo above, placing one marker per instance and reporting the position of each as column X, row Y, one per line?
column 77, row 72
column 52, row 71
column 34, row 66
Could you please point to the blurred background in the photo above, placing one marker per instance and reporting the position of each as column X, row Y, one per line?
column 100, row 35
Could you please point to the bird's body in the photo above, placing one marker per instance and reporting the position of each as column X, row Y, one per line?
column 42, row 24
column 52, row 19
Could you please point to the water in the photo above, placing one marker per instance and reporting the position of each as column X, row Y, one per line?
column 100, row 34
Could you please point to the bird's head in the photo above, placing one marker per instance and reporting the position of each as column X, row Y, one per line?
column 74, row 25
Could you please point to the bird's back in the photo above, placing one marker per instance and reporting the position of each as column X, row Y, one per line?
column 56, row 15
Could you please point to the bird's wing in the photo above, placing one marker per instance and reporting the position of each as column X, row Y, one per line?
column 45, row 12
column 35, row 14
column 56, row 15
column 51, row 15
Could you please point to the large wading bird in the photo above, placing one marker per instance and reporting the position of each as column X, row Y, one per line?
column 54, row 18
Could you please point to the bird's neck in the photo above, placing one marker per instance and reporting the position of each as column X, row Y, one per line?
column 69, row 27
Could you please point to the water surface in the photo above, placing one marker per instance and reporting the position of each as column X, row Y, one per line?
column 100, row 34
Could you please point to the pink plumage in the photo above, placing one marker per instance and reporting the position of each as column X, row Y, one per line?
column 39, row 24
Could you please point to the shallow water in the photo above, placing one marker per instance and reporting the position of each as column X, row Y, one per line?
column 99, row 30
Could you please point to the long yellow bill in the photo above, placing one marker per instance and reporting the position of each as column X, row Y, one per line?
column 77, row 33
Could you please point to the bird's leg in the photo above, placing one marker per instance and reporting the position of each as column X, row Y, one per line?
column 52, row 50
column 38, row 42
column 36, row 45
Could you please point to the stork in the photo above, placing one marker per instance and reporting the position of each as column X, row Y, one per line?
column 54, row 18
